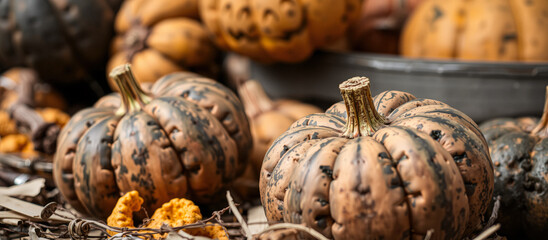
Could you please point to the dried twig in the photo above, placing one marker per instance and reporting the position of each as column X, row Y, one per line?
column 429, row 234
column 494, row 214
column 308, row 230
column 487, row 232
column 238, row 216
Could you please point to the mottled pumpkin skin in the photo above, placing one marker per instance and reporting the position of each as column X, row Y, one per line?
column 160, row 37
column 61, row 40
column 429, row 168
column 190, row 140
column 271, row 30
column 494, row 30
column 521, row 176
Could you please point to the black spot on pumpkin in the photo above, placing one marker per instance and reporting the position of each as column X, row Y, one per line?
column 321, row 222
column 458, row 158
column 436, row 134
column 327, row 171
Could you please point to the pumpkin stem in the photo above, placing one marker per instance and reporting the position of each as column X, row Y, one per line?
column 251, row 92
column 362, row 117
column 541, row 129
column 135, row 39
column 133, row 97
column 254, row 98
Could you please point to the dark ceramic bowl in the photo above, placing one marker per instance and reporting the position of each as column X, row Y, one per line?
column 482, row 90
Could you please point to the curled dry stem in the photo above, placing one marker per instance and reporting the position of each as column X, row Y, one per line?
column 299, row 227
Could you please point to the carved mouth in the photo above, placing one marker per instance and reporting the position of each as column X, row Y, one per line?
column 285, row 36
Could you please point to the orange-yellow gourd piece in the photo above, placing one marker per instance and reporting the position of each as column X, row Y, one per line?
column 17, row 143
column 177, row 212
column 54, row 115
column 14, row 142
column 122, row 214
column 7, row 126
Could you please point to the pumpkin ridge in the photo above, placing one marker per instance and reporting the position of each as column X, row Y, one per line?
column 300, row 201
column 311, row 121
column 459, row 115
column 219, row 92
column 458, row 129
column 70, row 135
column 297, row 131
column 278, row 174
column 206, row 134
column 402, row 186
column 446, row 224
column 382, row 101
column 367, row 152
column 88, row 189
column 413, row 105
column 471, row 144
column 178, row 152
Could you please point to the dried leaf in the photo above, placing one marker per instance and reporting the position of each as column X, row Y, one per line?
column 28, row 189
column 33, row 234
column 256, row 215
column 182, row 235
column 30, row 209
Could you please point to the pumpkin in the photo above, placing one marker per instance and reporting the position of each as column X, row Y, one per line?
column 379, row 25
column 506, row 30
column 188, row 137
column 268, row 119
column 175, row 213
column 62, row 40
column 160, row 37
column 391, row 167
column 519, row 151
column 272, row 30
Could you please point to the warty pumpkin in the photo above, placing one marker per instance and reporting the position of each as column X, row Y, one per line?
column 391, row 167
column 506, row 30
column 519, row 151
column 271, row 30
column 189, row 137
column 62, row 40
column 160, row 37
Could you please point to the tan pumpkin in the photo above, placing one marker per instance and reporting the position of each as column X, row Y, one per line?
column 188, row 137
column 506, row 30
column 268, row 119
column 272, row 30
column 519, row 151
column 392, row 167
column 160, row 37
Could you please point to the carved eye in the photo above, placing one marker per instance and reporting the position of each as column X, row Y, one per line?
column 244, row 13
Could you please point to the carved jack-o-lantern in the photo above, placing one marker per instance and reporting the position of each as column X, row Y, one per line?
column 277, row 30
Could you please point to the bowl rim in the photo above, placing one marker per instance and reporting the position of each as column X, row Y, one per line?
column 443, row 67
